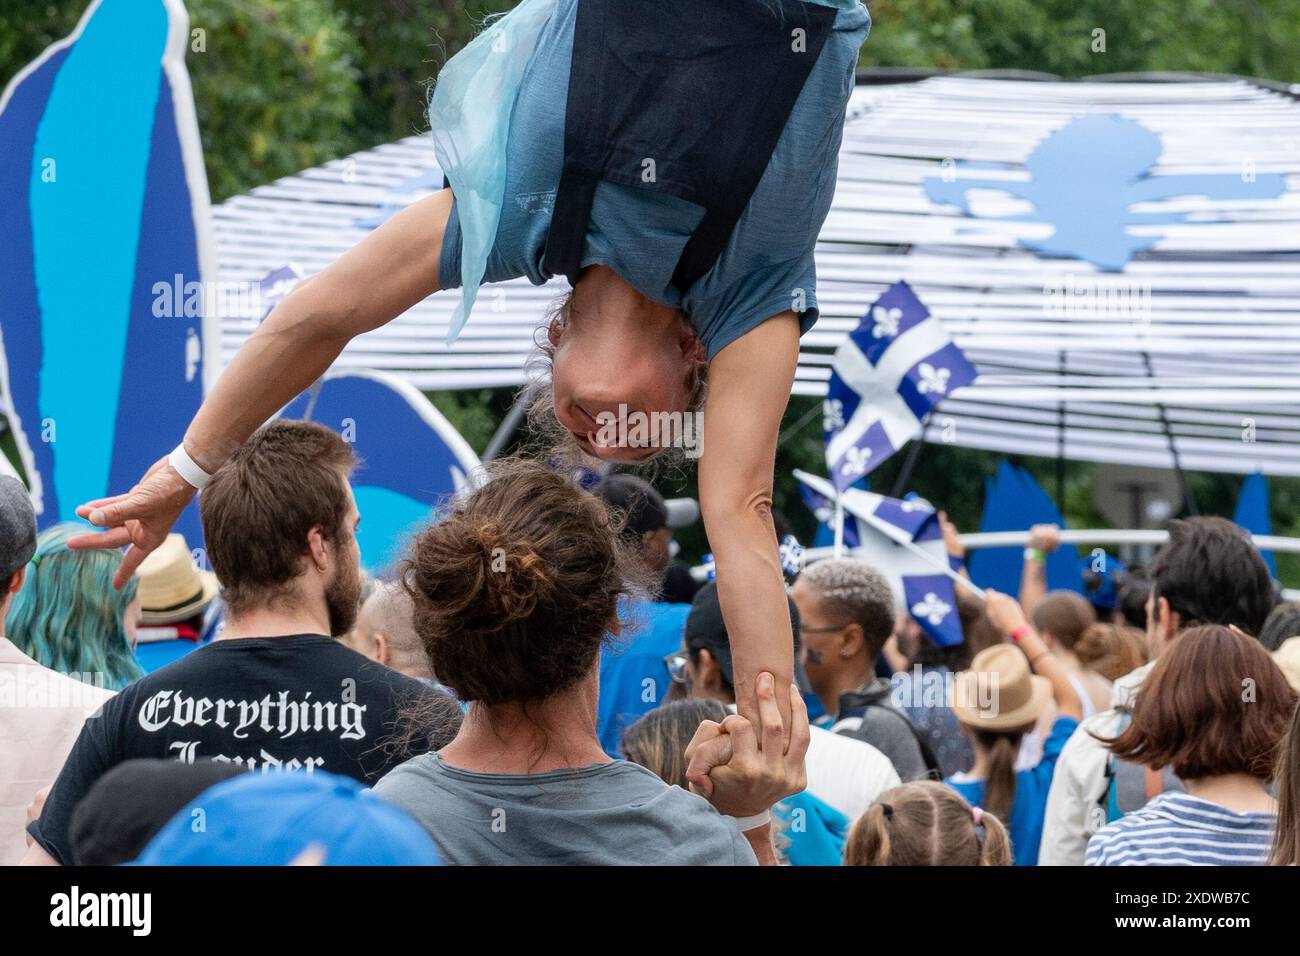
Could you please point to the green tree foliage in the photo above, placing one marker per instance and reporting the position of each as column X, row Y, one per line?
column 1086, row 37
column 275, row 88
column 405, row 44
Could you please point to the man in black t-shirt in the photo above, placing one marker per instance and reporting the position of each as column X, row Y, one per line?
column 276, row 692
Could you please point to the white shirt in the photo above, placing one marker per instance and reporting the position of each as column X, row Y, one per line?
column 846, row 773
column 41, row 713
column 1073, row 814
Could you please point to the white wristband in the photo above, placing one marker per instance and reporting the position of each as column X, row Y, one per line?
column 188, row 468
column 754, row 822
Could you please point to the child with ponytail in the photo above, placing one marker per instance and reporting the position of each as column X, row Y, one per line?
column 1008, row 687
column 926, row 823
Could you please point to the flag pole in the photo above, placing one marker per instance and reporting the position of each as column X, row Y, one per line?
column 839, row 527
column 940, row 566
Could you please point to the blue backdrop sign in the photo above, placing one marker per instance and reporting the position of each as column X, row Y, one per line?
column 106, row 324
column 1013, row 501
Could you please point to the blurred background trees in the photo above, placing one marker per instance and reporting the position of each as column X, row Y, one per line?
column 286, row 84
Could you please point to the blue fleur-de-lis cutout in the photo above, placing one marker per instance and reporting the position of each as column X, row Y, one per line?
column 1086, row 176
column 932, row 608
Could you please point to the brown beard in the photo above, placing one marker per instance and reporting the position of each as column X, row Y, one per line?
column 343, row 599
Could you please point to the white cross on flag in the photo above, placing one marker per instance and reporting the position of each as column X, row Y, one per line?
column 895, row 367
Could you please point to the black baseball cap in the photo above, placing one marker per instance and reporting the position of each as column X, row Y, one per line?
column 707, row 631
column 126, row 807
column 644, row 507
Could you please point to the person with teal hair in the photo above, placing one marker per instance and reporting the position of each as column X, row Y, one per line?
column 69, row 618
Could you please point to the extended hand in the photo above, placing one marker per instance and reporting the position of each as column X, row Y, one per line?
column 1045, row 538
column 743, row 772
column 951, row 537
column 140, row 518
column 1004, row 611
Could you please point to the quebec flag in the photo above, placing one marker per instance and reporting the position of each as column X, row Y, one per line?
column 895, row 367
column 823, row 509
column 883, row 524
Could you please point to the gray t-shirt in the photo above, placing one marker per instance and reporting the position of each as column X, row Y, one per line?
column 606, row 814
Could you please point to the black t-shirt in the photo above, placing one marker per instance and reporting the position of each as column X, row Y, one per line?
column 302, row 702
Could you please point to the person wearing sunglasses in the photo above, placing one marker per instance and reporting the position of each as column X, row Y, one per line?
column 847, row 610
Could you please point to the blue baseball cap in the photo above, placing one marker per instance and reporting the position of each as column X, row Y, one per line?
column 273, row 819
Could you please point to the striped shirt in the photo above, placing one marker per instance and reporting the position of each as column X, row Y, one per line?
column 1177, row 829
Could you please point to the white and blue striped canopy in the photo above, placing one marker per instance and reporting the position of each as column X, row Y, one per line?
column 1215, row 354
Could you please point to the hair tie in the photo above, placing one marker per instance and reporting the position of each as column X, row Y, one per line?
column 977, row 815
column 888, row 811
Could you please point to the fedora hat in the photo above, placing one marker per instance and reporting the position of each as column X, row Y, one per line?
column 172, row 589
column 999, row 692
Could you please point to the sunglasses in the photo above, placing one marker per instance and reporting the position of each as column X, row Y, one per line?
column 676, row 664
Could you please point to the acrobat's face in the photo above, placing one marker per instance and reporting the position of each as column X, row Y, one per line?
column 620, row 363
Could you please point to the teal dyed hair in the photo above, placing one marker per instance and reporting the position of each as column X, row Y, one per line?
column 67, row 615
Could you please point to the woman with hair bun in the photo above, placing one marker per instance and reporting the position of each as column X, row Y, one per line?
column 515, row 591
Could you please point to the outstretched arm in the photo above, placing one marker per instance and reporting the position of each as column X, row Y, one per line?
column 380, row 278
column 1044, row 540
column 749, row 387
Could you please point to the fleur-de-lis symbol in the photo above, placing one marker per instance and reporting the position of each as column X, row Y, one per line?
column 933, row 379
column 855, row 461
column 886, row 320
column 932, row 609
column 832, row 415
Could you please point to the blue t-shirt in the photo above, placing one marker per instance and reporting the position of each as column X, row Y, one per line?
column 767, row 267
column 1026, row 826
column 633, row 676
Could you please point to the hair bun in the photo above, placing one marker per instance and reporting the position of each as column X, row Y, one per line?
column 516, row 577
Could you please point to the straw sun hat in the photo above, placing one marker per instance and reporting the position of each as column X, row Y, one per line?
column 999, row 692
column 172, row 589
